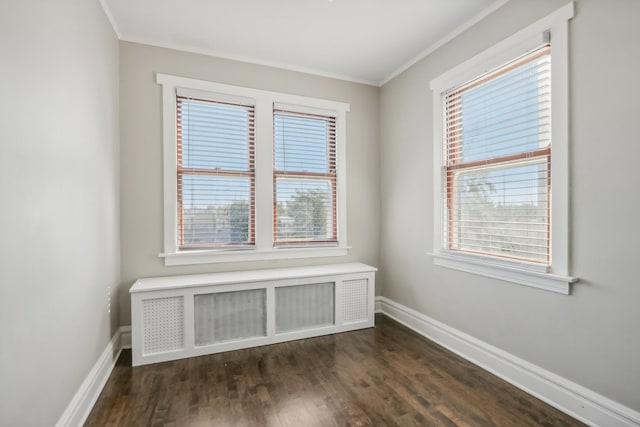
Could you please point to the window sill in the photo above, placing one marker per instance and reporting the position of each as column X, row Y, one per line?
column 536, row 279
column 247, row 255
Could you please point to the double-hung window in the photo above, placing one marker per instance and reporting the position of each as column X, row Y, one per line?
column 497, row 162
column 251, row 174
column 215, row 173
column 304, row 178
column 501, row 157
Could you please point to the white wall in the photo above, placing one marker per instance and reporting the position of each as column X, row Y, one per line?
column 59, row 189
column 141, row 156
column 591, row 337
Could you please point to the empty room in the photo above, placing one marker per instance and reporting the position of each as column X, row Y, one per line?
column 319, row 213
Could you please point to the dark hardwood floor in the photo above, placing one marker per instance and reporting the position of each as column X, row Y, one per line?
column 385, row 376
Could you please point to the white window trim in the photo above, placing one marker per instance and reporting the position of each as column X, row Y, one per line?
column 557, row 278
column 264, row 102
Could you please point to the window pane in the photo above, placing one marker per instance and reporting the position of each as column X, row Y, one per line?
column 301, row 143
column 215, row 209
column 214, row 135
column 304, row 210
column 503, row 210
column 507, row 114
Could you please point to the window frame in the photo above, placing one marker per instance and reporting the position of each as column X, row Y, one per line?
column 265, row 102
column 556, row 277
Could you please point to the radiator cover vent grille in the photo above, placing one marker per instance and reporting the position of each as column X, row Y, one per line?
column 229, row 316
column 355, row 300
column 163, row 324
column 304, row 306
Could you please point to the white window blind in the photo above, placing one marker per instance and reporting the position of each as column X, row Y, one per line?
column 215, row 173
column 496, row 168
column 304, row 179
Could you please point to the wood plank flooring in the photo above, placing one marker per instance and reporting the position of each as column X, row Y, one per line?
column 384, row 376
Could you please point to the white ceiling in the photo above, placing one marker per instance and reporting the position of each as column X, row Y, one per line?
column 368, row 41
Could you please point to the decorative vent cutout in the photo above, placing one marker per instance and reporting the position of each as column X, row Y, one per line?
column 304, row 306
column 163, row 324
column 354, row 300
column 229, row 316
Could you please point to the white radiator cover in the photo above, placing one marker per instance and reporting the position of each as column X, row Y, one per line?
column 183, row 316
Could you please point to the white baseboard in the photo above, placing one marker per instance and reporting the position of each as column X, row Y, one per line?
column 378, row 305
column 125, row 336
column 80, row 406
column 567, row 396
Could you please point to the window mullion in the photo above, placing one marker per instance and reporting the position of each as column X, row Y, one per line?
column 264, row 180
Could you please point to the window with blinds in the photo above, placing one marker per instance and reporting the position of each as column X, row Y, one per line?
column 215, row 173
column 497, row 162
column 304, row 179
